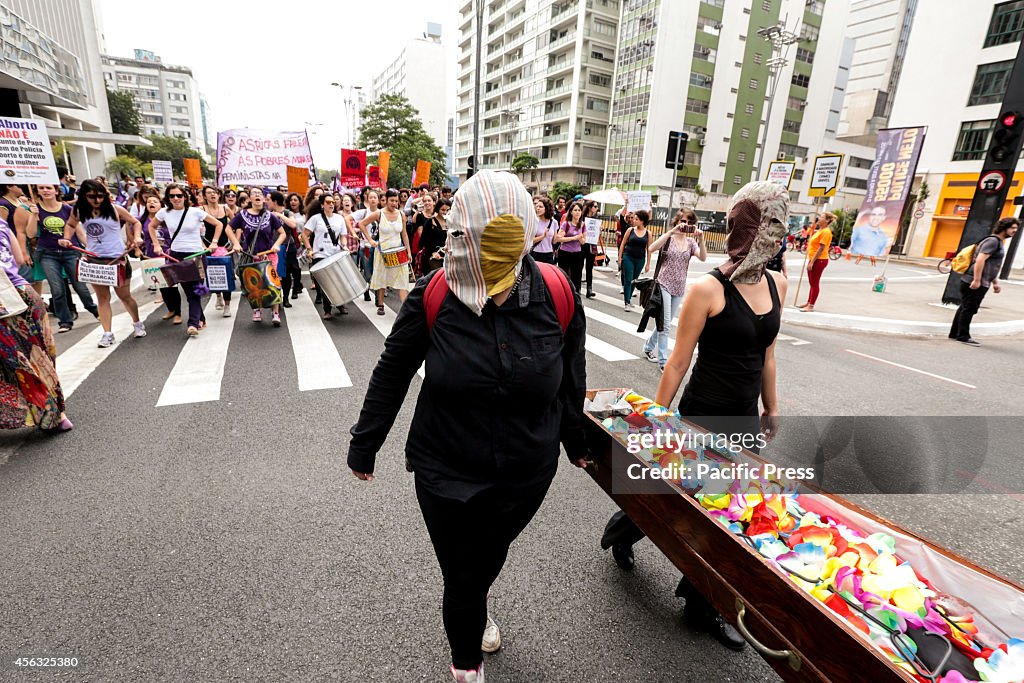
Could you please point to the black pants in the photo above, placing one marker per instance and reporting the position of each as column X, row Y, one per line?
column 292, row 280
column 471, row 540
column 970, row 302
column 589, row 254
column 320, row 293
column 571, row 262
column 543, row 256
column 172, row 299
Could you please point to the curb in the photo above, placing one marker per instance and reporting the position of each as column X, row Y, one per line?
column 862, row 323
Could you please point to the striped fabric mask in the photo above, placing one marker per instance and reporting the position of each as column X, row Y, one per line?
column 490, row 230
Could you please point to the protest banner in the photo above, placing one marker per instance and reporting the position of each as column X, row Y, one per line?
column 422, row 175
column 825, row 175
column 781, row 173
column 889, row 182
column 373, row 177
column 298, row 179
column 593, row 227
column 353, row 167
column 193, row 172
column 255, row 157
column 384, row 161
column 162, row 171
column 25, row 153
column 639, row 200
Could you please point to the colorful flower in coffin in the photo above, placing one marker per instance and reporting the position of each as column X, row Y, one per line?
column 715, row 501
column 839, row 606
column 1003, row 667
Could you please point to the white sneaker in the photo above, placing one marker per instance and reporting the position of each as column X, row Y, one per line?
column 106, row 340
column 140, row 329
column 492, row 637
column 468, row 676
column 227, row 311
column 220, row 301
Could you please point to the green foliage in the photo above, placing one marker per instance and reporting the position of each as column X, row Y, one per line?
column 326, row 175
column 567, row 190
column 923, row 192
column 125, row 115
column 123, row 164
column 524, row 161
column 171, row 149
column 700, row 192
column 392, row 124
column 842, row 229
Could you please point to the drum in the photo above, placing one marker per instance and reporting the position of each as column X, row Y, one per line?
column 393, row 258
column 220, row 273
column 261, row 283
column 339, row 278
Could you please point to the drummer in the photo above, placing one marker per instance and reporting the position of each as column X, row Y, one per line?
column 326, row 228
column 392, row 237
column 262, row 233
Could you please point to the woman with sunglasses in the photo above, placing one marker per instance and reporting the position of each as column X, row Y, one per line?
column 97, row 222
column 231, row 201
column 212, row 204
column 170, row 296
column 259, row 233
column 326, row 229
column 185, row 225
column 391, row 235
column 292, row 280
column 675, row 248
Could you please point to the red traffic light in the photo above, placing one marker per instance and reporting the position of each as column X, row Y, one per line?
column 1010, row 119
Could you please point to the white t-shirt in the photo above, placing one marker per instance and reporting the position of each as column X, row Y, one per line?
column 358, row 216
column 322, row 245
column 190, row 238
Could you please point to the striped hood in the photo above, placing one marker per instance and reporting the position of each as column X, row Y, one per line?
column 490, row 230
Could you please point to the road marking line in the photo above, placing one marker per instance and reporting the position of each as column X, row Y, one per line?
column 317, row 360
column 79, row 360
column 383, row 323
column 199, row 370
column 606, row 350
column 793, row 341
column 907, row 367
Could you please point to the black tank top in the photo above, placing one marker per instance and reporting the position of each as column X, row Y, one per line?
column 726, row 379
column 223, row 240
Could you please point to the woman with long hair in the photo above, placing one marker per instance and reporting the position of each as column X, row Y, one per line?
column 292, row 280
column 213, row 205
column 30, row 391
column 547, row 226
column 231, row 201
column 59, row 263
column 24, row 221
column 371, row 199
column 243, row 200
column 325, row 227
column 170, row 296
column 423, row 218
column 97, row 222
column 435, row 237
column 258, row 232
column 633, row 255
column 391, row 236
column 570, row 238
column 590, row 210
column 185, row 225
column 675, row 248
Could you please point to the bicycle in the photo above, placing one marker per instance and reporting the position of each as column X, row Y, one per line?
column 835, row 253
column 945, row 266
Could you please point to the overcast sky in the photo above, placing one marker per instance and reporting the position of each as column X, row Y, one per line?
column 273, row 69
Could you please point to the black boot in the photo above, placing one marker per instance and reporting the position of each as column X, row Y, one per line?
column 623, row 556
column 366, row 295
column 590, row 293
column 701, row 616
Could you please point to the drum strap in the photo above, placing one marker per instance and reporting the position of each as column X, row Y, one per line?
column 558, row 287
column 330, row 233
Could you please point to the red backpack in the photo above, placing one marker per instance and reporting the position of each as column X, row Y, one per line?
column 558, row 286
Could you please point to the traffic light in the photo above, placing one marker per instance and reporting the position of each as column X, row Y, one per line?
column 470, row 166
column 1006, row 140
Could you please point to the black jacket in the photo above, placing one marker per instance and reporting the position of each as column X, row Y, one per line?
column 500, row 391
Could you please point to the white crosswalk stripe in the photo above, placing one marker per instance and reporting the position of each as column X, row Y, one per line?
column 383, row 323
column 317, row 359
column 199, row 370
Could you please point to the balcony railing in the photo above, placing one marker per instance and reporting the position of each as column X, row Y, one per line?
column 561, row 137
column 555, row 115
column 552, row 162
column 564, row 40
column 552, row 93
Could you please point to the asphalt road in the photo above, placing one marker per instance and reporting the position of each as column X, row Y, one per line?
column 226, row 540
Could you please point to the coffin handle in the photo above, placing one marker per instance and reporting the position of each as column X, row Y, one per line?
column 791, row 657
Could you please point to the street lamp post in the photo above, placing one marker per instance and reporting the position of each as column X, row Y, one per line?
column 349, row 100
column 513, row 121
column 476, row 85
column 780, row 39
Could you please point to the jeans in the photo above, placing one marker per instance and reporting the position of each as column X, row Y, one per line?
column 632, row 268
column 970, row 302
column 195, row 302
column 471, row 540
column 669, row 310
column 53, row 261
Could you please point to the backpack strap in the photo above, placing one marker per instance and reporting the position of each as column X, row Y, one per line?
column 561, row 293
column 433, row 297
column 554, row 280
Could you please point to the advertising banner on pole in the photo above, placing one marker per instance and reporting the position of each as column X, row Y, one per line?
column 889, row 183
column 825, row 176
column 255, row 157
column 781, row 173
column 162, row 171
column 353, row 167
column 25, row 153
column 422, row 174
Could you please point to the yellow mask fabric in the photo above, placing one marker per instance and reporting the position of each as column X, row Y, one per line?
column 501, row 249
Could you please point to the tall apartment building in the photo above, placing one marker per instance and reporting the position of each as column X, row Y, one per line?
column 51, row 71
column 545, row 89
column 880, row 30
column 700, row 66
column 418, row 74
column 957, row 93
column 167, row 95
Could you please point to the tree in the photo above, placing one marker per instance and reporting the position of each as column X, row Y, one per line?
column 125, row 116
column 700, row 192
column 393, row 125
column 524, row 161
column 567, row 190
column 123, row 164
column 326, row 175
column 171, row 149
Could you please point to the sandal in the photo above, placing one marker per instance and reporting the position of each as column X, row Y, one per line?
column 380, row 309
column 328, row 316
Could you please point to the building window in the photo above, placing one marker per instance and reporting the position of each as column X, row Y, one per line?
column 856, row 183
column 696, row 106
column 791, row 126
column 748, row 108
column 795, row 103
column 706, row 54
column 792, row 151
column 804, row 55
column 745, row 133
column 990, row 83
column 1007, row 25
column 766, row 5
column 758, row 58
column 737, row 180
column 809, row 33
column 801, row 80
column 972, row 143
column 597, row 105
column 601, row 80
column 700, row 80
column 741, row 156
column 859, row 162
column 754, row 84
column 714, row 3
column 815, row 7
column 798, row 174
